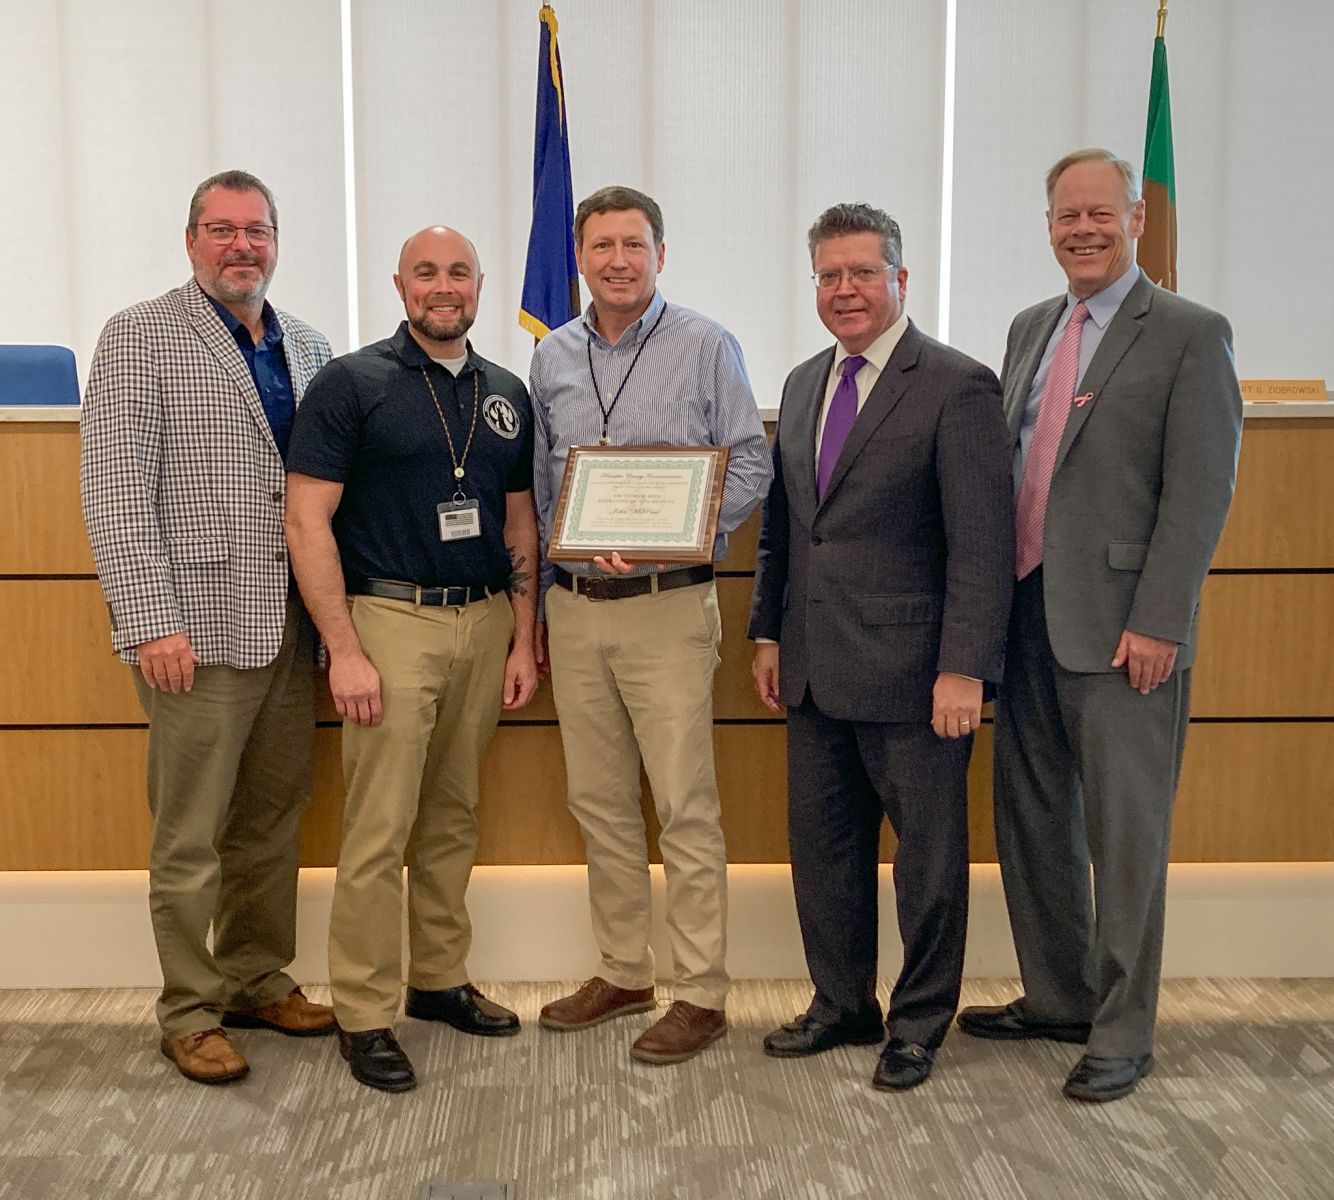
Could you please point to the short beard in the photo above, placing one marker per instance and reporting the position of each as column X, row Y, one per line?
column 439, row 332
column 228, row 292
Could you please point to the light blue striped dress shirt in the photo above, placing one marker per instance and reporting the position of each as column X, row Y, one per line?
column 689, row 388
column 1102, row 306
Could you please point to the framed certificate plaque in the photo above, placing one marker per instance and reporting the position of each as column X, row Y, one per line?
column 647, row 503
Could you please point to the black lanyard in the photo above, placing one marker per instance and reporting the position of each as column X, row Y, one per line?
column 605, row 410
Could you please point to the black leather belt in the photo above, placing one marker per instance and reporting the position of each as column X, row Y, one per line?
column 451, row 597
column 611, row 587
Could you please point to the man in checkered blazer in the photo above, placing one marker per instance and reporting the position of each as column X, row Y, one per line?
column 185, row 426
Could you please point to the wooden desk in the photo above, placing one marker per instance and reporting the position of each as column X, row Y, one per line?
column 1256, row 785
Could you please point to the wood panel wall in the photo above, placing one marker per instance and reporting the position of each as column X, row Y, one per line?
column 1256, row 785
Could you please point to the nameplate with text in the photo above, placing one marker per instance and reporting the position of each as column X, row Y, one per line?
column 1278, row 391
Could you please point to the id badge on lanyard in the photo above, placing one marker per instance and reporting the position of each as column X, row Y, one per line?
column 459, row 518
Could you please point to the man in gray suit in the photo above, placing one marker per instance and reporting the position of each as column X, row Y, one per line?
column 185, row 425
column 1125, row 413
column 882, row 587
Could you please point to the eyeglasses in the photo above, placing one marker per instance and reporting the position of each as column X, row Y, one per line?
column 223, row 233
column 861, row 276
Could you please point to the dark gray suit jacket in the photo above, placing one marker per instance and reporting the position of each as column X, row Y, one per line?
column 906, row 568
column 1143, row 476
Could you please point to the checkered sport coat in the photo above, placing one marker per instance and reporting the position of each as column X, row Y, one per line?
column 182, row 484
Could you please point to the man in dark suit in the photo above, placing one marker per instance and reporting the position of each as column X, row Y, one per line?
column 883, row 587
column 1123, row 483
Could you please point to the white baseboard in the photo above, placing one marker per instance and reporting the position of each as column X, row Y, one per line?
column 90, row 928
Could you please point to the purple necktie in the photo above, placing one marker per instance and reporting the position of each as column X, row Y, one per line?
column 838, row 422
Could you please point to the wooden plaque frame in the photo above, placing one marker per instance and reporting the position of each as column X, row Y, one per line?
column 581, row 465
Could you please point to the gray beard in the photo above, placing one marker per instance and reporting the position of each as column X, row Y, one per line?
column 439, row 332
column 228, row 292
column 236, row 295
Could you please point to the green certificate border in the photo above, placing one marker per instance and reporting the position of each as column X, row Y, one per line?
column 573, row 533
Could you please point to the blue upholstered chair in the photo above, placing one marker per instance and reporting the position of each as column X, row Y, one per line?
column 38, row 375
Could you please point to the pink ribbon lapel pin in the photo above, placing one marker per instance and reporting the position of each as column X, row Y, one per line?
column 1080, row 401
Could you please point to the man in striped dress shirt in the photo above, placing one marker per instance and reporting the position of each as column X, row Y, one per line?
column 633, row 677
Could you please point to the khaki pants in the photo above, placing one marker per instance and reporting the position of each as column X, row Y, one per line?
column 412, row 798
column 634, row 677
column 228, row 778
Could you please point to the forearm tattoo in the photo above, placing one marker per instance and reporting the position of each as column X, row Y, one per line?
column 518, row 576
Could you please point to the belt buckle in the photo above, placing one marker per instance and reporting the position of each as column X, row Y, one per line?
column 592, row 588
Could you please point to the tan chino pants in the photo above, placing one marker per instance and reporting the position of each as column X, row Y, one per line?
column 412, row 798
column 632, row 678
column 228, row 779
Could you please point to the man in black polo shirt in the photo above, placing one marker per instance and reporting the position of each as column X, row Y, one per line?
column 413, row 536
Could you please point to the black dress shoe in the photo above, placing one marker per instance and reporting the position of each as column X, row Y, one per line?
column 465, row 1008
column 1099, row 1079
column 902, row 1065
column 1004, row 1022
column 377, row 1060
column 806, row 1035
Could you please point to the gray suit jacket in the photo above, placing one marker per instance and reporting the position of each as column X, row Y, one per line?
column 906, row 568
column 1143, row 476
column 182, row 484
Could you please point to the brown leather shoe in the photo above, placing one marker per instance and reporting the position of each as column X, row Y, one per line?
column 293, row 1015
column 595, row 1002
column 682, row 1032
column 206, row 1057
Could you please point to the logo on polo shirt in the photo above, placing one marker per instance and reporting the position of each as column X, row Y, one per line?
column 500, row 415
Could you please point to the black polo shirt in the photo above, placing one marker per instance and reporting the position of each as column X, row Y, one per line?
column 367, row 421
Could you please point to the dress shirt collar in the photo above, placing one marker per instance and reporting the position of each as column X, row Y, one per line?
column 878, row 352
column 1103, row 305
column 273, row 329
column 637, row 328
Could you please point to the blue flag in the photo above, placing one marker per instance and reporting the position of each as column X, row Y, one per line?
column 550, row 277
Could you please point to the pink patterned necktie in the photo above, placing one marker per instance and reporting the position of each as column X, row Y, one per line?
column 838, row 422
column 1053, row 411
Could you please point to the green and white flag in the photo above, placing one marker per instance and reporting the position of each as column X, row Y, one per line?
column 1157, row 252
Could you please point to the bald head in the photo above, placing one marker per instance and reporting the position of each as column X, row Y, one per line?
column 432, row 241
column 439, row 280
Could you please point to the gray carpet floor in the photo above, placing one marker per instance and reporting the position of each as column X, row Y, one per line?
column 1241, row 1107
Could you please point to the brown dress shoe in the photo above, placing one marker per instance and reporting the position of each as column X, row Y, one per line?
column 682, row 1032
column 293, row 1015
column 595, row 1002
column 206, row 1057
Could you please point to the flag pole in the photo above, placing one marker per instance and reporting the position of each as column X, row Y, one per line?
column 1162, row 19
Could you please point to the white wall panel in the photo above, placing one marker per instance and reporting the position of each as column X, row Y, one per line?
column 743, row 120
column 37, row 282
column 1268, row 174
column 1251, row 105
column 128, row 107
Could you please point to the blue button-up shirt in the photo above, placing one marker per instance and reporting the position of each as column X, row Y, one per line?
column 268, row 368
column 689, row 388
column 1102, row 306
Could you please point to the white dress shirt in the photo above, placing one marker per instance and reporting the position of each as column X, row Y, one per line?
column 876, row 355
